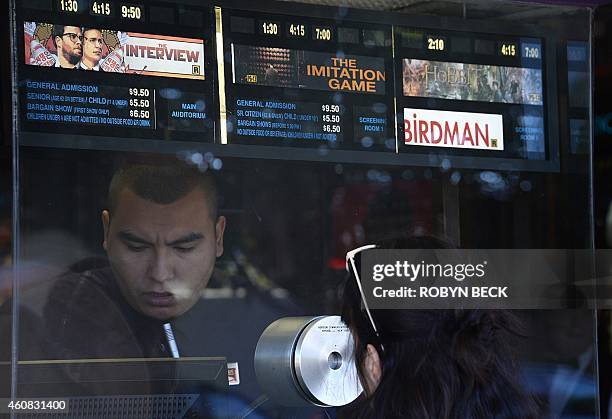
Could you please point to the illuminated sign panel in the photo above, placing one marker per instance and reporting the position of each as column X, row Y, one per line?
column 473, row 82
column 308, row 84
column 424, row 127
column 312, row 70
column 116, row 52
column 169, row 56
column 94, row 73
column 285, row 77
column 89, row 104
column 471, row 95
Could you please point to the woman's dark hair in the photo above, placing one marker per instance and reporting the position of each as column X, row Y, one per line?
column 443, row 364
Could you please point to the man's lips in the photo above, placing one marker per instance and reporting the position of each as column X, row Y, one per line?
column 159, row 299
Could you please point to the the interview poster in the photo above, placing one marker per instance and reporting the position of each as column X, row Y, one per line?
column 97, row 49
column 287, row 68
column 477, row 82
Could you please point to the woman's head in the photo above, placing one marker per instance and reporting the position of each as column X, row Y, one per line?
column 434, row 363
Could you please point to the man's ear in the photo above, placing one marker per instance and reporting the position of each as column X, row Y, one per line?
column 372, row 369
column 219, row 230
column 106, row 227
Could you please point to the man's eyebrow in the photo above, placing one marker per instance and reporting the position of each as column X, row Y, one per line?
column 131, row 237
column 191, row 237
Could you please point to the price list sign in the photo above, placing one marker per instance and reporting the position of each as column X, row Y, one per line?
column 308, row 82
column 103, row 106
column 118, row 69
column 289, row 120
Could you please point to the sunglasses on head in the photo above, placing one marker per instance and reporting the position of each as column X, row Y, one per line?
column 350, row 265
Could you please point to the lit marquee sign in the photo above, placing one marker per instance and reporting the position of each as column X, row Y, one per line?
column 459, row 130
column 471, row 96
column 399, row 90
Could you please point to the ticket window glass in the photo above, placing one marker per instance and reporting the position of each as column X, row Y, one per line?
column 306, row 169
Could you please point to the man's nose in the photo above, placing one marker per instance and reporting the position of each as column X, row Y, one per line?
column 161, row 269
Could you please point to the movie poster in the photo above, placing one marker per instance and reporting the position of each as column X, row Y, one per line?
column 477, row 82
column 282, row 67
column 459, row 130
column 97, row 49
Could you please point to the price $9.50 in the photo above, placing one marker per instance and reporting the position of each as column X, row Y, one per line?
column 134, row 91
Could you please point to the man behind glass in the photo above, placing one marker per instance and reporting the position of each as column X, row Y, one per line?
column 162, row 236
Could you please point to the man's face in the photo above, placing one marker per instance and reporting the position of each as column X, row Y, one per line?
column 92, row 51
column 162, row 255
column 70, row 44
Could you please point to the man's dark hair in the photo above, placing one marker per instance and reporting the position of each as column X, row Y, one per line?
column 163, row 185
column 58, row 30
column 85, row 29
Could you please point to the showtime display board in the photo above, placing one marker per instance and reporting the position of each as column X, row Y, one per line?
column 308, row 82
column 471, row 94
column 117, row 69
column 289, row 81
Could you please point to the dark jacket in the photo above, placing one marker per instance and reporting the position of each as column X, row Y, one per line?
column 87, row 317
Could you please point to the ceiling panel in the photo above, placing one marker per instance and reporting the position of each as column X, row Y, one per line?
column 468, row 8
